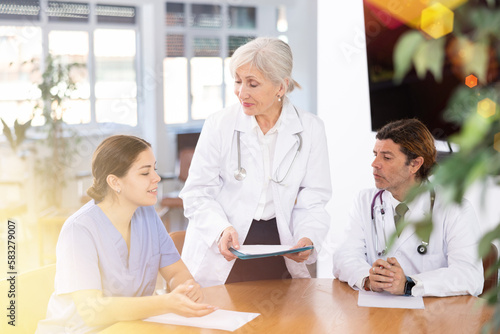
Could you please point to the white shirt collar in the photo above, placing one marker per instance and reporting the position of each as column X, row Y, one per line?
column 255, row 125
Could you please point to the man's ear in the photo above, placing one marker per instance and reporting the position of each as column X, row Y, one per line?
column 114, row 182
column 416, row 164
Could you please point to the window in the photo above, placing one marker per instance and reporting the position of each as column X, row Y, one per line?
column 21, row 52
column 101, row 37
column 73, row 47
column 200, row 39
column 115, row 86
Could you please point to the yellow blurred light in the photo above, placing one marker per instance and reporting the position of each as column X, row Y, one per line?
column 437, row 20
column 486, row 108
column 409, row 11
column 496, row 144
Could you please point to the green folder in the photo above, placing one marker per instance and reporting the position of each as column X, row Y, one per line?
column 245, row 256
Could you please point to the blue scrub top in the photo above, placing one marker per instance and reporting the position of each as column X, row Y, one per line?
column 92, row 254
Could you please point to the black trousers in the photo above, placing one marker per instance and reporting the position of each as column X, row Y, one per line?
column 262, row 232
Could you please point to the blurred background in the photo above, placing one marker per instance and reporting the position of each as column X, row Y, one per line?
column 75, row 72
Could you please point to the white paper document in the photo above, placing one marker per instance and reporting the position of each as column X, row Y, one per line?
column 219, row 319
column 263, row 249
column 386, row 300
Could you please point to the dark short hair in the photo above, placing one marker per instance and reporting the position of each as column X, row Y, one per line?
column 415, row 141
column 114, row 155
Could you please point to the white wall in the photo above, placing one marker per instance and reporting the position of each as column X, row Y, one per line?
column 302, row 30
column 343, row 104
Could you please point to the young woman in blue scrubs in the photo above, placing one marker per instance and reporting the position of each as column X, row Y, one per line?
column 110, row 251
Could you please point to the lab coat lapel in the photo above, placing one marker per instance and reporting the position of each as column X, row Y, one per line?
column 248, row 137
column 287, row 141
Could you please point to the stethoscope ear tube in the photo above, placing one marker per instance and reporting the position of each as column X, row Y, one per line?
column 240, row 174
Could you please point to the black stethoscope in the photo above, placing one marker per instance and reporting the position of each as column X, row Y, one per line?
column 240, row 174
column 421, row 249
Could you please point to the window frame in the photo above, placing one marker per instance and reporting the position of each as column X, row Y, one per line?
column 89, row 27
column 262, row 28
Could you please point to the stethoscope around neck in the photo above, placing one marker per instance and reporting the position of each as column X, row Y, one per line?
column 240, row 174
column 421, row 249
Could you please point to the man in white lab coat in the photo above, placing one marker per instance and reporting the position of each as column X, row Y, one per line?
column 445, row 265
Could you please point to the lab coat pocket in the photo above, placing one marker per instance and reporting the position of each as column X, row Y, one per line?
column 194, row 249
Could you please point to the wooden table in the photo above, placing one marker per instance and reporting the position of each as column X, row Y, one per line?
column 325, row 306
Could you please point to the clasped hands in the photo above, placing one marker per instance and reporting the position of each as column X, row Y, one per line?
column 229, row 238
column 386, row 276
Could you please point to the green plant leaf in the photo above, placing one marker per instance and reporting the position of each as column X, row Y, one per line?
column 404, row 50
column 487, row 239
column 437, row 57
column 492, row 268
column 478, row 62
column 8, row 134
column 472, row 133
column 424, row 228
column 20, row 131
column 464, row 100
column 430, row 56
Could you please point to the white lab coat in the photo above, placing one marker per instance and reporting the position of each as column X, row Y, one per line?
column 451, row 265
column 214, row 199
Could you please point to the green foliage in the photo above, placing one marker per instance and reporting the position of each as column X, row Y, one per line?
column 473, row 45
column 405, row 49
column 472, row 164
column 481, row 22
column 15, row 139
column 476, row 34
column 464, row 101
column 429, row 57
column 424, row 54
column 56, row 87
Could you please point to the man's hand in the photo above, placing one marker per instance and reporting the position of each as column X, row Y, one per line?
column 387, row 276
column 381, row 277
column 398, row 284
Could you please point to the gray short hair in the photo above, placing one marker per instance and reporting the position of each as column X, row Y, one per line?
column 271, row 56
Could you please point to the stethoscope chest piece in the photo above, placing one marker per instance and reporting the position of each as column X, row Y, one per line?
column 240, row 174
column 422, row 248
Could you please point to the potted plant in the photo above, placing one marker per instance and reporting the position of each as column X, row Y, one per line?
column 472, row 48
column 59, row 146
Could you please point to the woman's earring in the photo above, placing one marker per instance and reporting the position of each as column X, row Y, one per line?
column 118, row 191
column 279, row 98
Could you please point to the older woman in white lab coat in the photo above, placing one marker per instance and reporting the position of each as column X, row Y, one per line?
column 260, row 174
